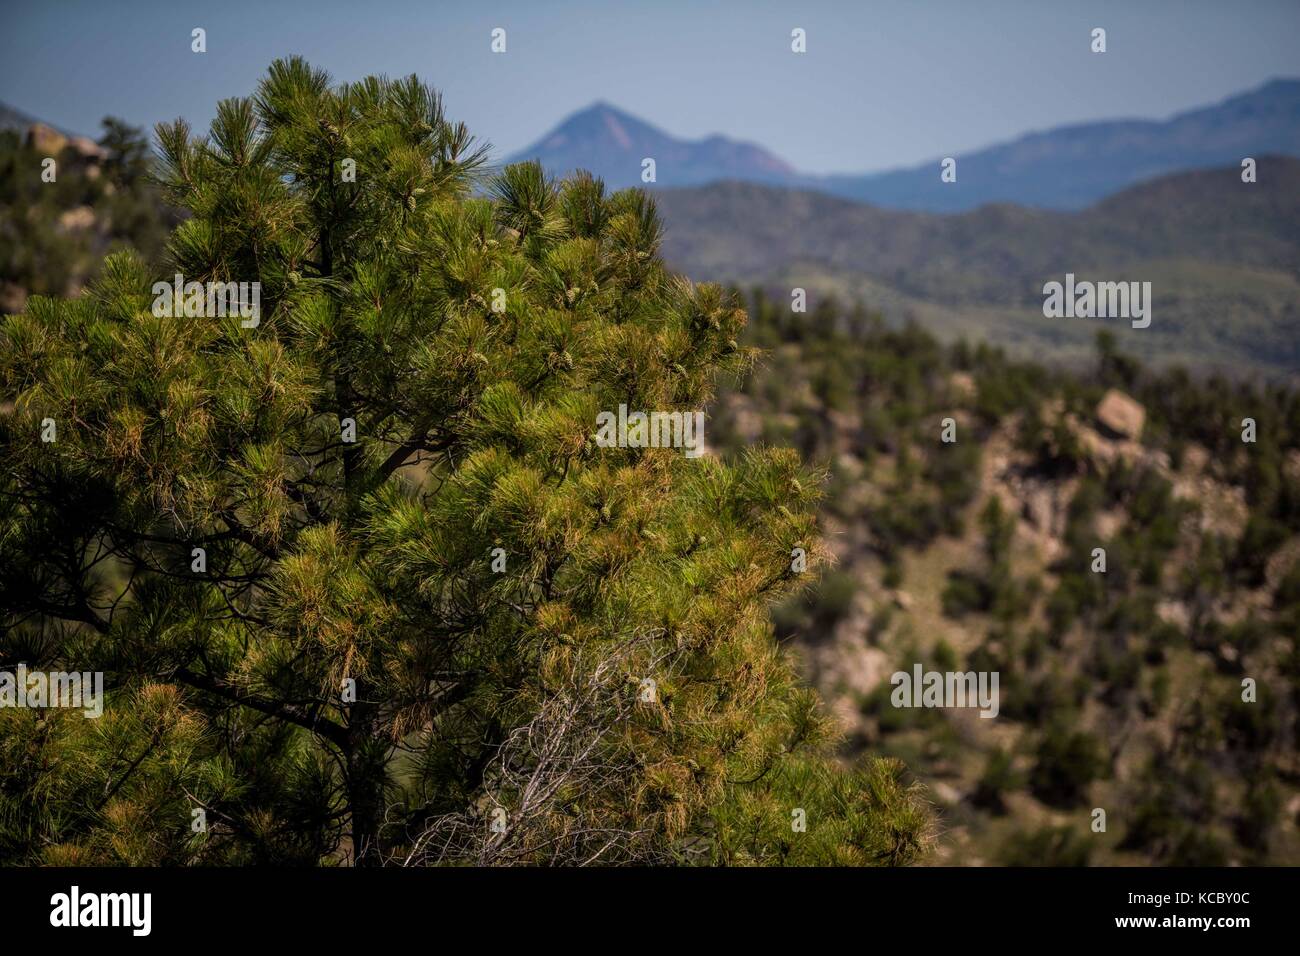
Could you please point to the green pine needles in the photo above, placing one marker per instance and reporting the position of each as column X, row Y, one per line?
column 362, row 584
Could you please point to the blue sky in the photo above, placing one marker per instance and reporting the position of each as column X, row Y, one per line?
column 883, row 84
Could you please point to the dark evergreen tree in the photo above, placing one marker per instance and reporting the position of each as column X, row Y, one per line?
column 470, row 634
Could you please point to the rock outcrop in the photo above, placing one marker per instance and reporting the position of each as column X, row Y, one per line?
column 1120, row 416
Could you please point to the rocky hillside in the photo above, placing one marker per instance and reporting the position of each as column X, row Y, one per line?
column 55, row 232
column 1120, row 689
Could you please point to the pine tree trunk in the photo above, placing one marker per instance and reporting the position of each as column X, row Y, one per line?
column 365, row 786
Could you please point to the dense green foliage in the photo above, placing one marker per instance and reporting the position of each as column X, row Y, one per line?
column 614, row 688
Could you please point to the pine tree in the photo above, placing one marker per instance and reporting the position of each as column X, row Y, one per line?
column 364, row 585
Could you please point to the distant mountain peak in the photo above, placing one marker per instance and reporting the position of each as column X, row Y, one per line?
column 602, row 111
column 1066, row 167
column 612, row 143
column 605, row 107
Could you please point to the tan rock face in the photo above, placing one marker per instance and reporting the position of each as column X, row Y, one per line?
column 1291, row 467
column 45, row 139
column 88, row 149
column 1196, row 458
column 963, row 385
column 746, row 421
column 1121, row 415
column 77, row 220
column 12, row 298
column 1039, row 509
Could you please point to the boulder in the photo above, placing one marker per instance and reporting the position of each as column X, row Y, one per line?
column 963, row 386
column 1039, row 509
column 88, row 149
column 78, row 219
column 745, row 418
column 46, row 139
column 1120, row 415
column 13, row 298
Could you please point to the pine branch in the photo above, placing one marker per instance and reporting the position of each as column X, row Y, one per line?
column 292, row 713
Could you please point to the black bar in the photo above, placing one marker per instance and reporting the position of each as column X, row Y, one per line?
column 924, row 905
